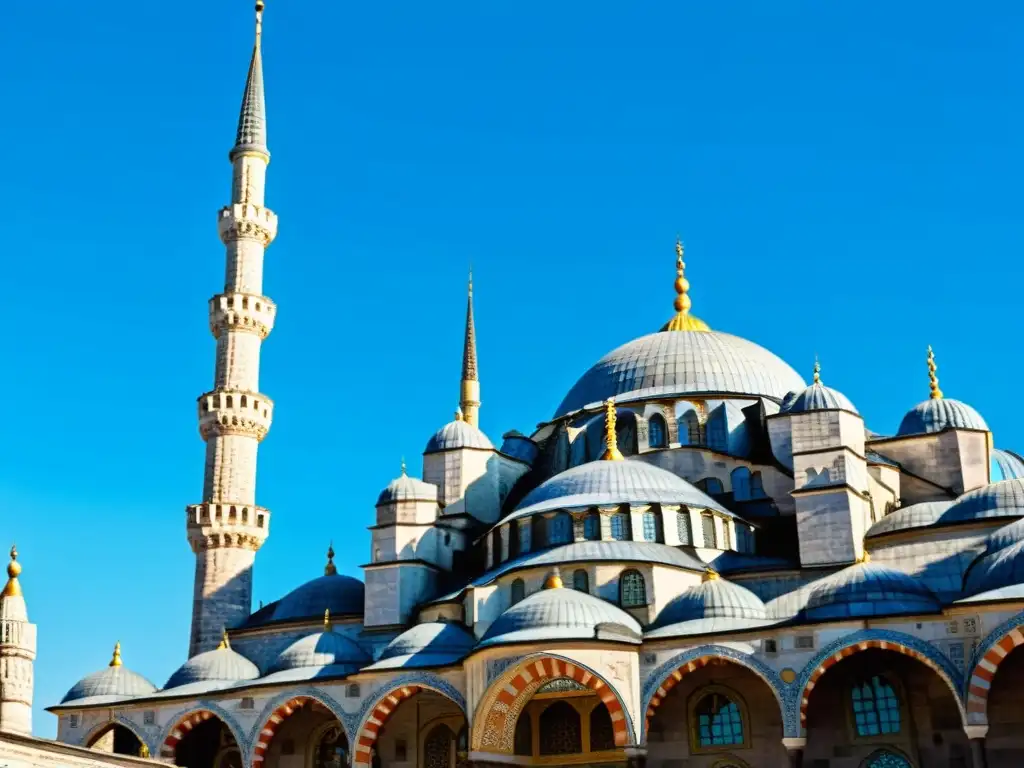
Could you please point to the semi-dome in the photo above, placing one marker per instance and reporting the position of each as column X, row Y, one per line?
column 632, row 481
column 817, row 397
column 557, row 613
column 323, row 649
column 716, row 605
column 113, row 683
column 914, row 516
column 995, row 500
column 431, row 644
column 868, row 589
column 458, row 434
column 1005, row 466
column 938, row 414
column 405, row 488
column 222, row 665
column 679, row 363
column 341, row 595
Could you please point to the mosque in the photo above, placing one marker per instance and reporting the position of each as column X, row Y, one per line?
column 697, row 560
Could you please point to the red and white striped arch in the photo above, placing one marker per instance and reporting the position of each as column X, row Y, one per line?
column 182, row 729
column 375, row 721
column 983, row 674
column 270, row 728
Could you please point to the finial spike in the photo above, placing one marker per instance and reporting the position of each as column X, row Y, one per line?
column 403, row 467
column 225, row 641
column 933, row 379
column 817, row 370
column 328, row 627
column 683, row 320
column 710, row 574
column 116, row 660
column 611, row 440
column 13, row 587
column 554, row 580
column 330, row 569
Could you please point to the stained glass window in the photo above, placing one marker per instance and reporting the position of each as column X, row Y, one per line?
column 522, row 742
column 518, row 591
column 580, row 580
column 592, row 526
column 876, row 708
column 683, row 526
column 656, row 432
column 620, row 527
column 707, row 525
column 602, row 735
column 650, row 520
column 437, row 749
column 560, row 529
column 719, row 721
column 632, row 589
column 560, row 731
column 884, row 758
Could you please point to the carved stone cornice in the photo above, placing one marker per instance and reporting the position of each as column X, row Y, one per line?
column 245, row 221
column 220, row 524
column 242, row 312
column 234, row 412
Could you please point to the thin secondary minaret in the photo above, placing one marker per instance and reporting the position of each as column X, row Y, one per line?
column 17, row 653
column 227, row 528
column 469, row 399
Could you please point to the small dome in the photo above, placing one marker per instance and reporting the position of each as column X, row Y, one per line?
column 219, row 665
column 716, row 605
column 1002, row 499
column 431, row 644
column 110, row 684
column 913, row 516
column 341, row 595
column 632, row 481
column 999, row 569
column 868, row 589
column 405, row 488
column 323, row 649
column 562, row 614
column 1006, row 466
column 818, row 397
column 458, row 434
column 937, row 414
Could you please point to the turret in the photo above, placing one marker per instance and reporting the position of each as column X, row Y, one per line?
column 17, row 653
column 227, row 528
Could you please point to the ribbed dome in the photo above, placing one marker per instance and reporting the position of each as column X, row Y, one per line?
column 108, row 685
column 677, row 363
column 562, row 614
column 868, row 589
column 614, row 482
column 913, row 516
column 1006, row 466
column 458, row 434
column 716, row 605
column 341, row 595
column 1002, row 499
column 935, row 415
column 817, row 397
column 431, row 644
column 405, row 488
column 219, row 665
column 323, row 649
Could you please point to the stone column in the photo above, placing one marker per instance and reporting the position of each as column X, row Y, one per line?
column 795, row 751
column 636, row 757
column 977, row 734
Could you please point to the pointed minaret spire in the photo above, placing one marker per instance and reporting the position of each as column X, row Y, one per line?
column 252, row 120
column 469, row 401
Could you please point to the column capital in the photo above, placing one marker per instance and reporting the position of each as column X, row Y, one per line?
column 794, row 743
column 976, row 731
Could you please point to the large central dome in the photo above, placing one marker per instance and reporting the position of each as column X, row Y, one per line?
column 679, row 363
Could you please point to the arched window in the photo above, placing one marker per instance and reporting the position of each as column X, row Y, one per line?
column 876, row 707
column 652, row 526
column 741, row 484
column 580, row 580
column 496, row 546
column 538, row 532
column 560, row 731
column 602, row 735
column 632, row 589
column 560, row 529
column 757, row 486
column 689, row 428
column 522, row 742
column 620, row 527
column 517, row 591
column 437, row 749
column 657, row 432
column 885, row 758
column 717, row 720
column 513, row 540
column 524, row 536
column 707, row 526
column 592, row 526
column 710, row 485
column 683, row 526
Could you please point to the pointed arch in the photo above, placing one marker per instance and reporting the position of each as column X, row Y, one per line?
column 184, row 722
column 92, row 735
column 991, row 653
column 498, row 711
column 279, row 710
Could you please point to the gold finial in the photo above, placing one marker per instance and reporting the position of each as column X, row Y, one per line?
column 143, row 750
column 403, row 466
column 683, row 320
column 330, row 569
column 12, row 588
column 260, row 5
column 611, row 440
column 710, row 574
column 554, row 580
column 865, row 557
column 328, row 627
column 933, row 380
column 225, row 642
column 116, row 661
column 817, row 370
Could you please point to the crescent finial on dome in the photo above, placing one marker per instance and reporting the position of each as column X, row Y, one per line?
column 683, row 320
column 611, row 440
column 116, row 660
column 330, row 569
column 933, row 379
column 817, row 370
column 13, row 587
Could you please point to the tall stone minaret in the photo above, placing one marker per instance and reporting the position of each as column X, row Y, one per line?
column 227, row 528
column 17, row 653
column 469, row 392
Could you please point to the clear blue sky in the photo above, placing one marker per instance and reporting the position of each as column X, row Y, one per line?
column 846, row 177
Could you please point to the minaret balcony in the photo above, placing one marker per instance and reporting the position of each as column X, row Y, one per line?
column 233, row 412
column 242, row 312
column 16, row 635
column 213, row 524
column 247, row 221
